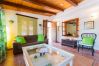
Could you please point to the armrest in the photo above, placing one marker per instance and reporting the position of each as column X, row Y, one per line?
column 46, row 41
column 16, row 44
column 17, row 48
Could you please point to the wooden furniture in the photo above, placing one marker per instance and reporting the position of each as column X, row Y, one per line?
column 68, row 42
column 85, row 45
column 45, row 27
column 70, row 28
column 52, row 56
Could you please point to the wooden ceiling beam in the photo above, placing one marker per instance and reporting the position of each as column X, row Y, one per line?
column 1, row 1
column 72, row 2
column 44, row 4
column 25, row 7
column 24, row 10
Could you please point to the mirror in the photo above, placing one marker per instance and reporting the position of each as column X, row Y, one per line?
column 70, row 28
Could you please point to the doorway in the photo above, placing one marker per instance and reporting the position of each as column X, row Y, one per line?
column 52, row 31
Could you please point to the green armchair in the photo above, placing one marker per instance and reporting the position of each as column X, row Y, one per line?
column 88, row 41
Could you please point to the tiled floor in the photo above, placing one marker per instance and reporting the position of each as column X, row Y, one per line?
column 83, row 58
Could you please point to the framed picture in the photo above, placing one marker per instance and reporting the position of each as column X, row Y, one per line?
column 89, row 25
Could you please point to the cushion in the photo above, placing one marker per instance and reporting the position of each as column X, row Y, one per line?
column 20, row 39
column 31, row 38
column 88, row 40
column 40, row 38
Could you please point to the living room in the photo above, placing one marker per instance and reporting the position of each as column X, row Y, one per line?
column 50, row 28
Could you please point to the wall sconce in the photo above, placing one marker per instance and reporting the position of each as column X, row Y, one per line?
column 11, row 21
column 40, row 25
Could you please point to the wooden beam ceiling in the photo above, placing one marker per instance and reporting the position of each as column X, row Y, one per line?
column 72, row 2
column 24, row 10
column 26, row 7
column 1, row 1
column 44, row 4
column 43, row 7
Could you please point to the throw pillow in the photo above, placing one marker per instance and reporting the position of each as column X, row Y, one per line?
column 88, row 40
column 20, row 39
column 40, row 38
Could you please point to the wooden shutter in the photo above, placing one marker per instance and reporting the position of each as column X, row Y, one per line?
column 63, row 28
column 45, row 27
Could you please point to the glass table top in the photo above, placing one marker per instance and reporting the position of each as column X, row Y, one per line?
column 46, row 55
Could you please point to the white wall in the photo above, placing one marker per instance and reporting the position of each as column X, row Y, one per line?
column 83, row 11
column 12, row 28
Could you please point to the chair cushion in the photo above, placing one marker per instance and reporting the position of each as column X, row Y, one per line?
column 88, row 41
column 40, row 38
column 20, row 39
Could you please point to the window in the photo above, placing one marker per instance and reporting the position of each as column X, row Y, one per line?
column 27, row 25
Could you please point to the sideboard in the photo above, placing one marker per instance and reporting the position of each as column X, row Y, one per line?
column 68, row 42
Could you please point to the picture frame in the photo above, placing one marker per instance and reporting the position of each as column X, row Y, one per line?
column 89, row 25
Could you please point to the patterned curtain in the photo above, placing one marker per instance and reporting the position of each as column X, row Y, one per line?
column 3, row 38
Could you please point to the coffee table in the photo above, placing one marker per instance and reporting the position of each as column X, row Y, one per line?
column 46, row 55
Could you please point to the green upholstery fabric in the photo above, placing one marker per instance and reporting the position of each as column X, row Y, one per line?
column 40, row 37
column 20, row 40
column 88, row 40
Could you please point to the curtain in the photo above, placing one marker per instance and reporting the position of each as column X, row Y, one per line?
column 3, row 38
column 27, row 25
